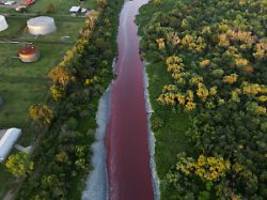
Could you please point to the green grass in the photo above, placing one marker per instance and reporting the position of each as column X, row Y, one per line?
column 170, row 136
column 7, row 10
column 14, row 28
column 24, row 84
column 66, row 26
column 61, row 6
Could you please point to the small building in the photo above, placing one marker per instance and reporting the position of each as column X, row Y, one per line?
column 21, row 8
column 29, row 53
column 42, row 25
column 75, row 9
column 83, row 10
column 3, row 23
column 7, row 141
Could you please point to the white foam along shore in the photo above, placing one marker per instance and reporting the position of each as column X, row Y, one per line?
column 97, row 181
column 97, row 184
column 151, row 138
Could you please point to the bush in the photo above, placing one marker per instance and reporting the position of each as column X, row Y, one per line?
column 19, row 164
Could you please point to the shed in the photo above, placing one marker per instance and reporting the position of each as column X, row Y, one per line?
column 75, row 9
column 7, row 141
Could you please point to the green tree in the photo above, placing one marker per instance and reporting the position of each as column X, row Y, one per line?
column 41, row 113
column 19, row 164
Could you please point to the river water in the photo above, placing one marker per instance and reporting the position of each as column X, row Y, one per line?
column 128, row 158
column 123, row 162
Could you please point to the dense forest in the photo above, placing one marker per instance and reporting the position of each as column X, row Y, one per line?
column 214, row 54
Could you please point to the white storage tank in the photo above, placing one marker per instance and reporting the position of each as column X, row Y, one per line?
column 3, row 23
column 7, row 142
column 42, row 25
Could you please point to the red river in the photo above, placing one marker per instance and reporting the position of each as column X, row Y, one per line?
column 129, row 173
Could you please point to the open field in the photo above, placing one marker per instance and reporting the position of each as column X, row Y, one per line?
column 66, row 26
column 61, row 6
column 5, row 180
column 24, row 84
column 169, row 125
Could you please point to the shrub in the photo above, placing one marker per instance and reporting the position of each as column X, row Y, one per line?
column 41, row 113
column 19, row 164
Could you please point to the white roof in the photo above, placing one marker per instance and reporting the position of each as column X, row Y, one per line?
column 40, row 21
column 9, row 3
column 41, row 25
column 83, row 10
column 75, row 9
column 8, row 141
column 3, row 23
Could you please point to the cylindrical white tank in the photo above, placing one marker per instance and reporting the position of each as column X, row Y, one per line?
column 3, row 23
column 42, row 25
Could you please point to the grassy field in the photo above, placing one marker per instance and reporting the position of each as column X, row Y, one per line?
column 66, row 26
column 61, row 6
column 168, row 131
column 24, row 84
column 21, row 84
column 171, row 125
